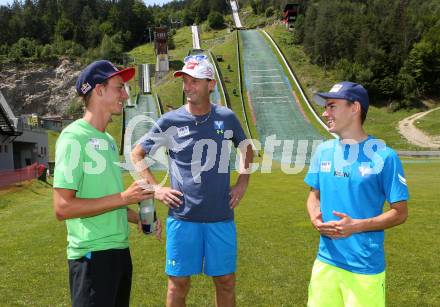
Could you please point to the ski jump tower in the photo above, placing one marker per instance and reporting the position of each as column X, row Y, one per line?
column 161, row 48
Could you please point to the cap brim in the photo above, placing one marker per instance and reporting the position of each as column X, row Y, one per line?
column 179, row 73
column 318, row 100
column 321, row 98
column 126, row 74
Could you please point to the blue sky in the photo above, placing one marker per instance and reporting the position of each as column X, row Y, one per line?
column 147, row 2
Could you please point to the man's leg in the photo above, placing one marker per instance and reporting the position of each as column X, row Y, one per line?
column 221, row 259
column 178, row 288
column 362, row 290
column 225, row 290
column 95, row 279
column 80, row 282
column 324, row 287
column 124, row 287
column 184, row 258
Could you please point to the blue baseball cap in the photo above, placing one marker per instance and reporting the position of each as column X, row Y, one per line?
column 97, row 72
column 345, row 90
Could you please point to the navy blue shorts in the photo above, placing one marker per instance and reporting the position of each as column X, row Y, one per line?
column 193, row 248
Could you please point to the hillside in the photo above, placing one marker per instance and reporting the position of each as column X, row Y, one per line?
column 43, row 88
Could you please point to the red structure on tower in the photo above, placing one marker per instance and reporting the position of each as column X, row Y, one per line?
column 161, row 49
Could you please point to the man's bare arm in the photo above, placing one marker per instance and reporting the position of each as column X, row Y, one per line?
column 68, row 206
column 168, row 196
column 238, row 190
column 397, row 215
column 314, row 209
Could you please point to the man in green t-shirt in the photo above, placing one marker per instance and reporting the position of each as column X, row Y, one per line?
column 89, row 193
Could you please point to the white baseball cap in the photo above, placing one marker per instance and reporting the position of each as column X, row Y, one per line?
column 198, row 68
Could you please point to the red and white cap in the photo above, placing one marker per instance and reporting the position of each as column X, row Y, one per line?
column 199, row 69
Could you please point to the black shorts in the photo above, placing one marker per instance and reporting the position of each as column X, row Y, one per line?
column 102, row 280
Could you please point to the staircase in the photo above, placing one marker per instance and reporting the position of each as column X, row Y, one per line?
column 8, row 122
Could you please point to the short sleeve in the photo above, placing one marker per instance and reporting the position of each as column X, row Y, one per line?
column 69, row 158
column 155, row 138
column 312, row 177
column 393, row 180
column 238, row 133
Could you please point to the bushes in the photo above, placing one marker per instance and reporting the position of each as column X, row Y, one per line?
column 257, row 6
column 215, row 20
column 24, row 48
column 269, row 11
column 109, row 48
column 29, row 50
column 4, row 49
column 391, row 47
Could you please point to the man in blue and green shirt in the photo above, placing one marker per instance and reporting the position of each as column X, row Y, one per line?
column 350, row 179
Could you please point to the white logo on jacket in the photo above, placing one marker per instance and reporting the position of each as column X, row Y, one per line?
column 365, row 170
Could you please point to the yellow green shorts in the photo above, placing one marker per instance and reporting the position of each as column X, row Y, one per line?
column 331, row 286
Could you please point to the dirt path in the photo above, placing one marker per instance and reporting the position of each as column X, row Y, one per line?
column 416, row 136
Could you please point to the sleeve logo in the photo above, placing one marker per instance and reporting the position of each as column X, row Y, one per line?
column 402, row 179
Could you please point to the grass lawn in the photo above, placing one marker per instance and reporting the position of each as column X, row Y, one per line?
column 210, row 37
column 382, row 123
column 143, row 54
column 170, row 92
column 430, row 123
column 277, row 246
column 250, row 20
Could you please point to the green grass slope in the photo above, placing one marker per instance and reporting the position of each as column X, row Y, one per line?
column 430, row 123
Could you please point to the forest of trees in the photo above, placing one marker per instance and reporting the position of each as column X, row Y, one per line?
column 390, row 46
column 46, row 29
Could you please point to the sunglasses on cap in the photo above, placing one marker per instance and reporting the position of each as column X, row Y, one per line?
column 196, row 57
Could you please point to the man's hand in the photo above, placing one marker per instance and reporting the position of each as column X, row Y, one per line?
column 236, row 193
column 346, row 226
column 326, row 229
column 168, row 196
column 135, row 193
column 158, row 229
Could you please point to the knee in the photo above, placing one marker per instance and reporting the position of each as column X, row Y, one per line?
column 178, row 286
column 225, row 283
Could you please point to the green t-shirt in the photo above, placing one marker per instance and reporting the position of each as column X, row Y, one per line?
column 86, row 161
